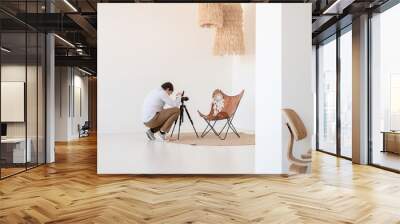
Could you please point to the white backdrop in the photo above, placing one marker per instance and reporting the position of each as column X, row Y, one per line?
column 164, row 43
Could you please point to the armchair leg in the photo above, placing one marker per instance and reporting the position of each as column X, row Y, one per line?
column 228, row 125
column 205, row 132
column 233, row 128
column 223, row 129
column 227, row 130
column 211, row 128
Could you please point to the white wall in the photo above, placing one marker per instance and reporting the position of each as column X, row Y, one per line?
column 169, row 46
column 243, row 72
column 81, row 114
column 66, row 121
column 297, row 78
column 62, row 80
column 283, row 80
column 268, row 155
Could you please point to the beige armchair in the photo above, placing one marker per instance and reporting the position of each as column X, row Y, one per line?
column 297, row 132
column 223, row 107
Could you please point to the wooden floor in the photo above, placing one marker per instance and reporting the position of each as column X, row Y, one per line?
column 69, row 191
column 5, row 172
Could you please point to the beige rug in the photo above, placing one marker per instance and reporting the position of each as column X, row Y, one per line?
column 212, row 140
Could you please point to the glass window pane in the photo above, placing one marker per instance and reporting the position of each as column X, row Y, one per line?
column 32, row 95
column 14, row 153
column 22, row 89
column 346, row 94
column 31, row 88
column 385, row 82
column 327, row 97
column 41, row 98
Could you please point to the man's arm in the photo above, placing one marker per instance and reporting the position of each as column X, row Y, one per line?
column 171, row 102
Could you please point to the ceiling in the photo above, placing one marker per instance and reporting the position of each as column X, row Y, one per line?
column 76, row 21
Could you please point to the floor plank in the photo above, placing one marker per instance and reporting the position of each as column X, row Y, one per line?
column 70, row 191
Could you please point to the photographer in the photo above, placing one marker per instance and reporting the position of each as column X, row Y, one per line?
column 155, row 116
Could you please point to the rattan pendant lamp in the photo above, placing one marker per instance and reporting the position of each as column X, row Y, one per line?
column 210, row 15
column 229, row 38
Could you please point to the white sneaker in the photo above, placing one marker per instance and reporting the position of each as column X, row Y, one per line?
column 162, row 137
column 150, row 135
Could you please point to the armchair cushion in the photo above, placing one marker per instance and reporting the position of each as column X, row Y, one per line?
column 222, row 106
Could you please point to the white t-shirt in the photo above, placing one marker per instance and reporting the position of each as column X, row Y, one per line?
column 155, row 102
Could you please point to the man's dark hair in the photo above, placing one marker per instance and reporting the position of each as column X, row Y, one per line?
column 168, row 86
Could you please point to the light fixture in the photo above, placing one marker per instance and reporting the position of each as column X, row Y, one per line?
column 210, row 15
column 5, row 50
column 229, row 38
column 65, row 41
column 70, row 5
column 84, row 71
column 80, row 51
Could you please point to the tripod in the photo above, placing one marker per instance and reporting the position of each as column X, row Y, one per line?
column 183, row 110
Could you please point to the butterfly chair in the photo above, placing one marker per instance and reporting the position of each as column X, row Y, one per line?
column 297, row 132
column 223, row 108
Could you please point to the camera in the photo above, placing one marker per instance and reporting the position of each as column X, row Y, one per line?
column 184, row 98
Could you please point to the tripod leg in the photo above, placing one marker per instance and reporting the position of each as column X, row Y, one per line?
column 191, row 121
column 180, row 122
column 173, row 128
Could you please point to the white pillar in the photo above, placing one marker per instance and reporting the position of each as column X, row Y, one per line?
column 50, row 99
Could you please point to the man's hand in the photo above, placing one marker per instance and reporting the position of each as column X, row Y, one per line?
column 179, row 94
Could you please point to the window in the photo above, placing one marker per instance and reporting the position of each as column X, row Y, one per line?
column 335, row 94
column 22, row 77
column 346, row 74
column 385, row 89
column 327, row 97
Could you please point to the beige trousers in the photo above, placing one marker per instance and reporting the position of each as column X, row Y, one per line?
column 163, row 120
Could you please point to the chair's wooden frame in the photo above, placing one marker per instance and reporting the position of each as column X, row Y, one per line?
column 305, row 159
column 297, row 132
